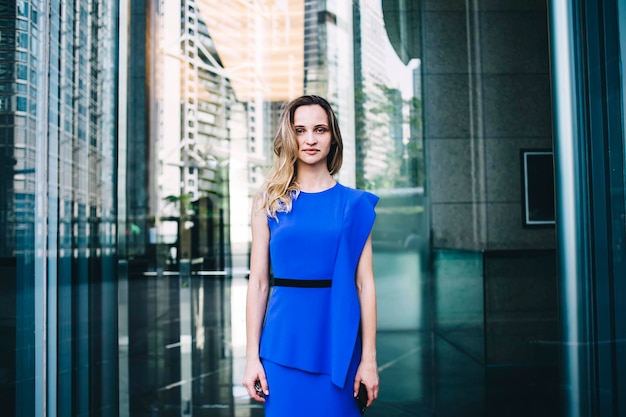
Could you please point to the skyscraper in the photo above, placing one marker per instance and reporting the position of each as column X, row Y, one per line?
column 58, row 109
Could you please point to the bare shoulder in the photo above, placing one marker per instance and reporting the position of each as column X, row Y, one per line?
column 258, row 213
column 257, row 204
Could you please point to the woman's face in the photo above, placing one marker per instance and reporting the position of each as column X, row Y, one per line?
column 313, row 134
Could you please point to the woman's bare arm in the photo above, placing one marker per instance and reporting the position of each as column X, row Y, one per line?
column 256, row 300
column 367, row 373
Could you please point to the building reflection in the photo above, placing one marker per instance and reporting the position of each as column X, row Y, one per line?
column 186, row 350
column 134, row 133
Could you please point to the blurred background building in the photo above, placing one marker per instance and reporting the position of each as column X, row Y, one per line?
column 135, row 133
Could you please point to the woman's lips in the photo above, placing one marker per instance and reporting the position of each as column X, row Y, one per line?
column 310, row 151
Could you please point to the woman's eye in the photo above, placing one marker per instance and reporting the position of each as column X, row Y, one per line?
column 321, row 130
column 299, row 131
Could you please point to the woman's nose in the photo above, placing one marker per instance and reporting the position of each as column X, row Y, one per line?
column 309, row 138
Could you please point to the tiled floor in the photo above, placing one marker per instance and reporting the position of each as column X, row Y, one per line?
column 200, row 372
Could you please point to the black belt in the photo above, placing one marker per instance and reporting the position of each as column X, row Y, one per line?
column 302, row 283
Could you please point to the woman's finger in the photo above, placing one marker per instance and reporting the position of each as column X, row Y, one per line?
column 255, row 393
column 372, row 393
column 265, row 388
column 357, row 384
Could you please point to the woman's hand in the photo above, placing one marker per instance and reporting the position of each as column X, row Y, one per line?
column 367, row 373
column 254, row 378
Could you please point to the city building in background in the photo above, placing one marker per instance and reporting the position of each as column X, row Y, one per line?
column 194, row 147
column 381, row 127
column 135, row 133
column 58, row 199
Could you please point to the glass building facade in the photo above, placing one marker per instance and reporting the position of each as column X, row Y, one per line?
column 134, row 134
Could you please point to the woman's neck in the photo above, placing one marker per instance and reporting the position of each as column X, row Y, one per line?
column 313, row 181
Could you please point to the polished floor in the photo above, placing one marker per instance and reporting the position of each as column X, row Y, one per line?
column 186, row 355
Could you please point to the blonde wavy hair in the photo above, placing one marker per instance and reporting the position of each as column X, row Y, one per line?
column 280, row 186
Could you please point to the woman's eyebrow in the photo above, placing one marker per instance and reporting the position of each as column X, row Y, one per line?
column 318, row 125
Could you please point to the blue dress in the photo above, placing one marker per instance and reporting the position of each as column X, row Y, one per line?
column 310, row 344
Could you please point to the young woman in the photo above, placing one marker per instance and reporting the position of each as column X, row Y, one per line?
column 312, row 346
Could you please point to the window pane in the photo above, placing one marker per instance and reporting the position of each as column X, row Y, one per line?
column 21, row 103
column 22, row 40
column 22, row 72
column 7, row 39
column 22, row 8
column 5, row 103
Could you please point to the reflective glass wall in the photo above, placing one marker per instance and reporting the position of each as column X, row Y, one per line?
column 206, row 83
column 134, row 134
column 58, row 123
column 590, row 171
